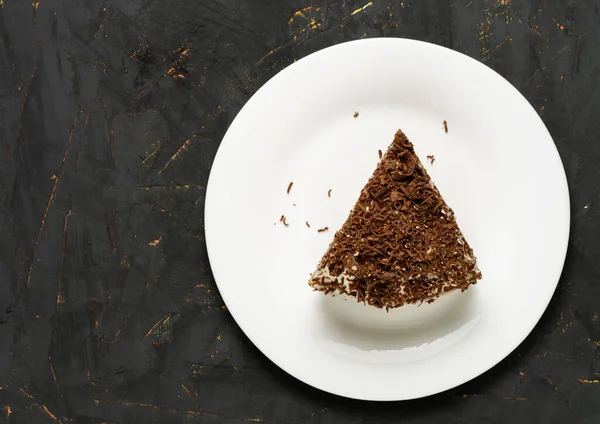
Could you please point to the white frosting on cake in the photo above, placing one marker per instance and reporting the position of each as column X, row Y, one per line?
column 323, row 274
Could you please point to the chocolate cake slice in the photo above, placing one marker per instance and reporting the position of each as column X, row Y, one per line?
column 401, row 243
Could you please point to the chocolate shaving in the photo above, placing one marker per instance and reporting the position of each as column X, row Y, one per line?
column 380, row 154
column 284, row 220
column 446, row 127
column 431, row 158
column 356, row 114
column 320, row 230
column 380, row 192
column 401, row 243
column 329, row 193
column 290, row 187
column 307, row 224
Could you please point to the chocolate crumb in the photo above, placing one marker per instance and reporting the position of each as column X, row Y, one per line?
column 320, row 230
column 290, row 187
column 329, row 193
column 284, row 220
column 356, row 114
column 431, row 158
column 307, row 224
column 380, row 154
column 446, row 127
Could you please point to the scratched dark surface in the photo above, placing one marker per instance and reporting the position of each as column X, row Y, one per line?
column 110, row 115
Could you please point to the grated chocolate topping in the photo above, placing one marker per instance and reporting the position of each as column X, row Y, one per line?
column 401, row 243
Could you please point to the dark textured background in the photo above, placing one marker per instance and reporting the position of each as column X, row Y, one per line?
column 110, row 115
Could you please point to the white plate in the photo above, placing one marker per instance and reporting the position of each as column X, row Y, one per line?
column 497, row 168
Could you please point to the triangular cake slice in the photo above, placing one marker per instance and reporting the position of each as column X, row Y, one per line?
column 401, row 243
